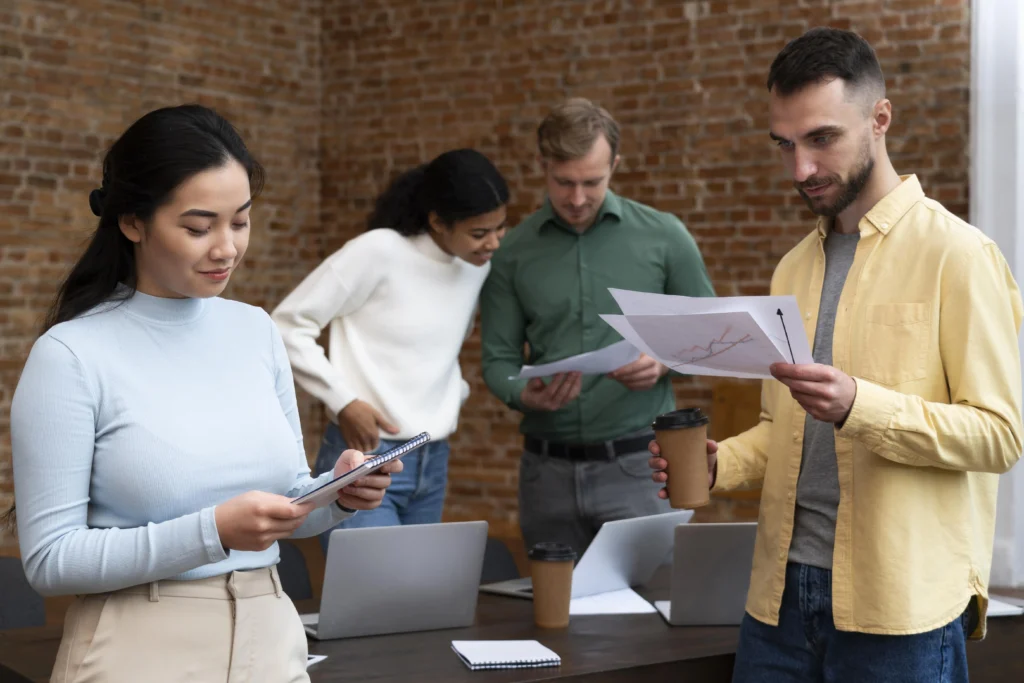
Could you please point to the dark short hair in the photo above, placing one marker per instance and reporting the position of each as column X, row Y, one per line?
column 456, row 185
column 823, row 54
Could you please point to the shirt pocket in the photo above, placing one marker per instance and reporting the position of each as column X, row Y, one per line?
column 896, row 343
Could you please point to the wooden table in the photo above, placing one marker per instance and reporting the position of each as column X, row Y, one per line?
column 593, row 648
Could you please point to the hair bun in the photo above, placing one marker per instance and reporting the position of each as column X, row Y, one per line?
column 96, row 201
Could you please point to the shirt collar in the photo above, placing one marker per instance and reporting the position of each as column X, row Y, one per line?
column 612, row 206
column 884, row 215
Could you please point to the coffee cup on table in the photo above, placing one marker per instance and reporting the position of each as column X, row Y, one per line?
column 551, row 566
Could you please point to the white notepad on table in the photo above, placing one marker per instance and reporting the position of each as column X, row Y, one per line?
column 504, row 654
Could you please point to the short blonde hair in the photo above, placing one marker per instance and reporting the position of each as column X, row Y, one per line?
column 571, row 129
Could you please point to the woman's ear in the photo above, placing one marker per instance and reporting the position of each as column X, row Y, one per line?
column 436, row 224
column 131, row 227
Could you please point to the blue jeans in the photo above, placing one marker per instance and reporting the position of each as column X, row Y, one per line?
column 806, row 646
column 416, row 494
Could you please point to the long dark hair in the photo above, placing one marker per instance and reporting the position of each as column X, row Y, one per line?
column 141, row 171
column 459, row 184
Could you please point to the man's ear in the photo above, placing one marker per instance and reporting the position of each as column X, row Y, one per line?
column 615, row 164
column 881, row 118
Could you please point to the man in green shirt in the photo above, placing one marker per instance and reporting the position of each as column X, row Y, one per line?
column 585, row 446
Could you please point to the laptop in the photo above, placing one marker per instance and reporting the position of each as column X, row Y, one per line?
column 397, row 579
column 710, row 574
column 623, row 554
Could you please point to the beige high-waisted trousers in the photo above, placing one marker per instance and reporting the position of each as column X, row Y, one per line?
column 235, row 628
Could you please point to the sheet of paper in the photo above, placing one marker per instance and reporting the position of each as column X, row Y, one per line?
column 313, row 659
column 674, row 340
column 590, row 363
column 778, row 316
column 998, row 608
column 311, row 619
column 626, row 601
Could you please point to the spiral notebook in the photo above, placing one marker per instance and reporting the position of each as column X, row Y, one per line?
column 504, row 654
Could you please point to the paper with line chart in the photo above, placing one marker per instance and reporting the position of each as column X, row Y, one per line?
column 725, row 336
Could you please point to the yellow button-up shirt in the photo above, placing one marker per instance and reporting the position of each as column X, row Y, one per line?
column 927, row 326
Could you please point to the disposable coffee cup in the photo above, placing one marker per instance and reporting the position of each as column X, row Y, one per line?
column 682, row 436
column 551, row 567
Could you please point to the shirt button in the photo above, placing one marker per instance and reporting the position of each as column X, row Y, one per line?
column 884, row 226
column 808, row 316
column 783, row 554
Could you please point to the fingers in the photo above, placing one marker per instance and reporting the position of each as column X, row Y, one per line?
column 392, row 467
column 815, row 389
column 373, row 481
column 712, row 447
column 656, row 463
column 810, row 373
column 384, row 424
column 654, row 448
column 663, row 494
column 279, row 508
column 568, row 389
column 348, row 460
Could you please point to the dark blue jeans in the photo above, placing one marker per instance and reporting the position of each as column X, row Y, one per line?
column 416, row 494
column 806, row 646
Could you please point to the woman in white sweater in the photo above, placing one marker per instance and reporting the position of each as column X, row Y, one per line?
column 399, row 300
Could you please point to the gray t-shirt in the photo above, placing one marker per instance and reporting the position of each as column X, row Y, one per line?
column 817, row 491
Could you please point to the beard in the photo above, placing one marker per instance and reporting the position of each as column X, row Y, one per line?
column 848, row 189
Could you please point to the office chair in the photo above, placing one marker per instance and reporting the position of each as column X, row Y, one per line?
column 294, row 572
column 499, row 565
column 20, row 605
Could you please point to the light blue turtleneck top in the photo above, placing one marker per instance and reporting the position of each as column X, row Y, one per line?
column 128, row 426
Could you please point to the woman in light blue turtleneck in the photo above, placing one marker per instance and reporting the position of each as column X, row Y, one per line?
column 155, row 433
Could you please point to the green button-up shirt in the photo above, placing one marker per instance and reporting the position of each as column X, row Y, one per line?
column 548, row 285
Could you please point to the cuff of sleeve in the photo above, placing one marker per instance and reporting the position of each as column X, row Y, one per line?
column 340, row 512
column 516, row 387
column 215, row 551
column 870, row 415
column 336, row 401
column 726, row 476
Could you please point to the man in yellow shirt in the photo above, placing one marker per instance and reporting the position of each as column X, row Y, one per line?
column 878, row 463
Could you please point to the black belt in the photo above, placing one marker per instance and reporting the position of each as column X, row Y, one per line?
column 608, row 450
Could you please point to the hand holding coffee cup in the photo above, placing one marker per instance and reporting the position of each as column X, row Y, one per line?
column 683, row 455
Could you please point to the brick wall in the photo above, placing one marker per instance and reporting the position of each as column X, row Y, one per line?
column 73, row 75
column 406, row 80
column 388, row 84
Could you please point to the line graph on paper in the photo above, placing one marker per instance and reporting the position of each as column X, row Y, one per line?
column 724, row 343
column 727, row 342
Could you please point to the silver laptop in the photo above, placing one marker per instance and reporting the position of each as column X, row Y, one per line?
column 623, row 554
column 397, row 579
column 710, row 574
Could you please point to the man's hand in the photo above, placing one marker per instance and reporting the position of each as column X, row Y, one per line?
column 360, row 425
column 640, row 375
column 826, row 393
column 563, row 388
column 368, row 492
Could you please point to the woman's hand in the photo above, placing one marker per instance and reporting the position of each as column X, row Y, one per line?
column 254, row 520
column 368, row 492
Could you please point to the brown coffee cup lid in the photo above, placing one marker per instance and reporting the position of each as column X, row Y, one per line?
column 552, row 552
column 681, row 419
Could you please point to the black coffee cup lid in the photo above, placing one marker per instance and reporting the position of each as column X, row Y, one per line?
column 681, row 419
column 552, row 552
